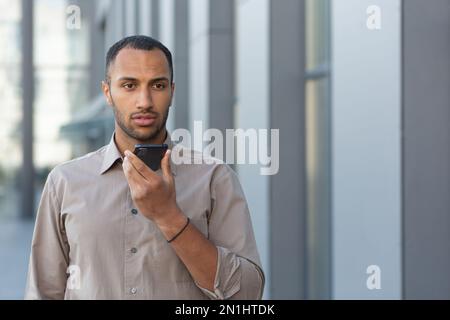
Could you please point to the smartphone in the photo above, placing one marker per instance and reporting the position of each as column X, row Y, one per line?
column 151, row 154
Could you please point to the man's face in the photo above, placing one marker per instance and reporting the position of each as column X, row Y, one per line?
column 140, row 92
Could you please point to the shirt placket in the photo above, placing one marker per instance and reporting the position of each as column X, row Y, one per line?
column 133, row 280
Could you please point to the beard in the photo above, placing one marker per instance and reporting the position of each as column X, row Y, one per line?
column 135, row 134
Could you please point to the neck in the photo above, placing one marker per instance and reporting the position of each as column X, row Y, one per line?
column 125, row 142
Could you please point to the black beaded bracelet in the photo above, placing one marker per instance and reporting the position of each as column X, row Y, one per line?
column 181, row 231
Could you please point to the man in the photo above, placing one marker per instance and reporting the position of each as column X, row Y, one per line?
column 108, row 227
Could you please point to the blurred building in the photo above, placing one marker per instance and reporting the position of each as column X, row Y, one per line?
column 357, row 88
column 10, row 106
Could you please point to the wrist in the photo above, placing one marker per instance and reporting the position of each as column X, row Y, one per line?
column 171, row 222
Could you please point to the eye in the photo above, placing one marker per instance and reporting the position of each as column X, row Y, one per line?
column 129, row 86
column 159, row 86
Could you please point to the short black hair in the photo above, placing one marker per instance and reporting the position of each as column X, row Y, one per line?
column 138, row 42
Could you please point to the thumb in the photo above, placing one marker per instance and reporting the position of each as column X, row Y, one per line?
column 165, row 166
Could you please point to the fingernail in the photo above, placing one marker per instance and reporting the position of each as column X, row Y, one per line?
column 127, row 153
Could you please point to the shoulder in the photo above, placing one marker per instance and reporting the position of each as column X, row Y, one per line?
column 87, row 164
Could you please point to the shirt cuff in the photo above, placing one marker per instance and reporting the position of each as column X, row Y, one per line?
column 228, row 276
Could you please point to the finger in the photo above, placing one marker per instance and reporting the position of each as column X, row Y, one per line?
column 132, row 175
column 138, row 185
column 165, row 166
column 140, row 166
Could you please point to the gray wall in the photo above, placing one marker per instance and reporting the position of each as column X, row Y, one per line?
column 426, row 90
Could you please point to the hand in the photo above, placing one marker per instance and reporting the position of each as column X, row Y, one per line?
column 153, row 194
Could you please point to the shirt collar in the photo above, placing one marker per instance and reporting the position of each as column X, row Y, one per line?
column 112, row 154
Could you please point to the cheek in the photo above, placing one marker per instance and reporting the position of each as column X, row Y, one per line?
column 123, row 98
column 122, row 103
column 162, row 99
column 122, row 115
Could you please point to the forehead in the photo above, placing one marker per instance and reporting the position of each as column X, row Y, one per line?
column 140, row 64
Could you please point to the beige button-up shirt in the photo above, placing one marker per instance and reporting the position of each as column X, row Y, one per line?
column 90, row 241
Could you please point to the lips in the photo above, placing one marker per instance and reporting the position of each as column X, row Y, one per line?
column 144, row 120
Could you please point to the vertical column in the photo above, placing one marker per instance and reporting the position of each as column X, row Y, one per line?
column 318, row 148
column 252, row 112
column 96, row 47
column 166, row 36
column 154, row 20
column 27, row 173
column 109, row 26
column 221, row 64
column 199, row 63
column 181, row 64
column 366, row 149
column 118, row 21
column 426, row 149
column 131, row 18
column 287, row 113
column 212, row 63
column 145, row 17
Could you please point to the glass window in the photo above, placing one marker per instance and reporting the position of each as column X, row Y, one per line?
column 61, row 66
column 10, row 108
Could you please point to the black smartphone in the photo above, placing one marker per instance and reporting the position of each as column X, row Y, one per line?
column 151, row 154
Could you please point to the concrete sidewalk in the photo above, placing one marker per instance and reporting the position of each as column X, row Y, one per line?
column 15, row 241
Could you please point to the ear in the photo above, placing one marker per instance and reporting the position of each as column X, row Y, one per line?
column 106, row 92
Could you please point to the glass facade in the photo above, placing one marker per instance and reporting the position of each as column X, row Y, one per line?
column 10, row 108
column 61, row 60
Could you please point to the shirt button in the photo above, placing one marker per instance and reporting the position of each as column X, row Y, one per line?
column 133, row 290
column 133, row 250
column 134, row 211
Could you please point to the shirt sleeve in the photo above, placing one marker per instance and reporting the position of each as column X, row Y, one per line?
column 239, row 274
column 49, row 258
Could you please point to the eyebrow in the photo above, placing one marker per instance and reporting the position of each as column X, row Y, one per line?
column 134, row 79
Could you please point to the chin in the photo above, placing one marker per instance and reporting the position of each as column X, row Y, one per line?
column 145, row 133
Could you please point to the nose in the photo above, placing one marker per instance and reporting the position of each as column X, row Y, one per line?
column 144, row 99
